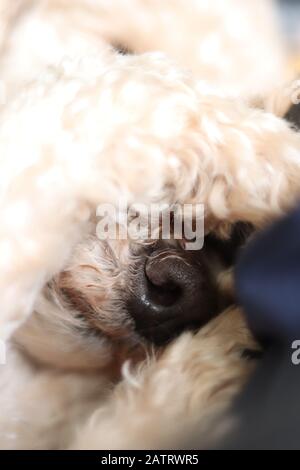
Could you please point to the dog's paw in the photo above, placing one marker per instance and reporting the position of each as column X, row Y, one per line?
column 193, row 383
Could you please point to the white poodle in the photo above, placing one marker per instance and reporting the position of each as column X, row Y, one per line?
column 85, row 123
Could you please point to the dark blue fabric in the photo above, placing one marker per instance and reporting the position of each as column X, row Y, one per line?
column 268, row 281
column 268, row 288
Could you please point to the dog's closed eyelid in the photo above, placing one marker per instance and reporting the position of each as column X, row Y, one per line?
column 122, row 49
column 229, row 248
column 251, row 354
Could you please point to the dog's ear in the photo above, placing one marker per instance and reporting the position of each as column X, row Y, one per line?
column 293, row 116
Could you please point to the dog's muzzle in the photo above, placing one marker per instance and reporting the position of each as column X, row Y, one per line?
column 171, row 291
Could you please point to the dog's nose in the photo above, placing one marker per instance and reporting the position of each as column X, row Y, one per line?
column 172, row 292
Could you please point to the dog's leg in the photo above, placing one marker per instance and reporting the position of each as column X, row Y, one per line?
column 248, row 165
column 41, row 407
column 192, row 383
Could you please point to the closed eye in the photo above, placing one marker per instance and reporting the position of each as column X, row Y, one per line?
column 122, row 49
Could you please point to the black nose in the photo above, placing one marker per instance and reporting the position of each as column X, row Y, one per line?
column 172, row 291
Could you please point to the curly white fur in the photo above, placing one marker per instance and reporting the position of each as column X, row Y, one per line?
column 103, row 126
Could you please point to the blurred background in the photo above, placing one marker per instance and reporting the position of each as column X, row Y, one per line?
column 290, row 19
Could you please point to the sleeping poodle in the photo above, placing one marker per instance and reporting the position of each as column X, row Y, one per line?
column 121, row 343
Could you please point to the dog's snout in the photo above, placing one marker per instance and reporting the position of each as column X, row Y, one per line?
column 172, row 292
column 165, row 276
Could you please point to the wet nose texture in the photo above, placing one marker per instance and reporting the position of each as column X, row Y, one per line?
column 172, row 292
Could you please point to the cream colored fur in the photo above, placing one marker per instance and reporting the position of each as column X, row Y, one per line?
column 82, row 124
